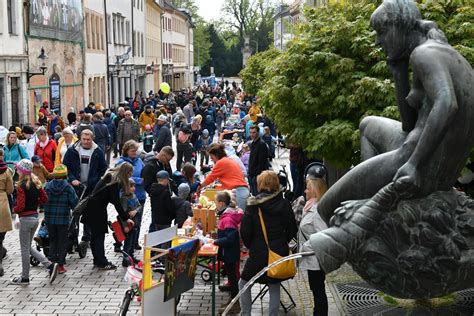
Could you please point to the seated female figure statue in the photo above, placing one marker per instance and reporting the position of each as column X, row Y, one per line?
column 426, row 151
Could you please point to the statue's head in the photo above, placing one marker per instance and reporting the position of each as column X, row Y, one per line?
column 394, row 21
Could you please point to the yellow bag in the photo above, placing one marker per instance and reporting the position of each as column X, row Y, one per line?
column 284, row 270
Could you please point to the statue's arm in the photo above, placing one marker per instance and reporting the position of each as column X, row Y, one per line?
column 408, row 115
column 433, row 76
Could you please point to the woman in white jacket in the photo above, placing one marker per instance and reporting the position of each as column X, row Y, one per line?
column 312, row 223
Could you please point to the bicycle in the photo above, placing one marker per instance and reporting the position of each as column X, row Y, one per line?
column 134, row 275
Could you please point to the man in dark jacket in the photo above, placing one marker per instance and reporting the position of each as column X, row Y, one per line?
column 86, row 164
column 164, row 134
column 113, row 135
column 117, row 119
column 161, row 161
column 258, row 160
column 101, row 131
column 162, row 210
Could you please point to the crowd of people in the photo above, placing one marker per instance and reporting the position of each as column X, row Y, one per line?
column 121, row 156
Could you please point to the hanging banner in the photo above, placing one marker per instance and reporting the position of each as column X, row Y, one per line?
column 57, row 19
column 180, row 268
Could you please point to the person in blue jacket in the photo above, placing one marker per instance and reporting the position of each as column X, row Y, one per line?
column 14, row 152
column 129, row 154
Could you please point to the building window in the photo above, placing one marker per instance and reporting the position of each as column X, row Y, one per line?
column 11, row 17
column 109, row 28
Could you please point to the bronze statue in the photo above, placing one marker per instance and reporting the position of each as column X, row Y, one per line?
column 409, row 170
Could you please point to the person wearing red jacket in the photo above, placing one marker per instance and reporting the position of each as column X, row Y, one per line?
column 45, row 149
column 30, row 194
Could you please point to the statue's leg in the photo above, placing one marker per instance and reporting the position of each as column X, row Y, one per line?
column 379, row 135
column 362, row 182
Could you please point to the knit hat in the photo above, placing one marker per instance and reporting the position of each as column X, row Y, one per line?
column 3, row 166
column 205, row 133
column 24, row 166
column 60, row 172
column 35, row 158
column 162, row 174
column 27, row 130
column 183, row 190
column 163, row 118
column 148, row 126
column 131, row 181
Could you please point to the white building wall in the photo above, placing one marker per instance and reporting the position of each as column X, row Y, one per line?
column 95, row 61
column 13, row 65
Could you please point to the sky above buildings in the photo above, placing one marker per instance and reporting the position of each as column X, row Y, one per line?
column 211, row 9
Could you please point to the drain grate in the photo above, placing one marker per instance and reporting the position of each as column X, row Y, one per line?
column 361, row 299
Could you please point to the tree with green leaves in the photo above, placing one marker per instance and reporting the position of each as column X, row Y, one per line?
column 332, row 75
column 253, row 75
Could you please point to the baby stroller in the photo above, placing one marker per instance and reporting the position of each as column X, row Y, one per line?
column 73, row 232
column 42, row 242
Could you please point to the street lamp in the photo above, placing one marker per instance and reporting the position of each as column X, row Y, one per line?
column 42, row 57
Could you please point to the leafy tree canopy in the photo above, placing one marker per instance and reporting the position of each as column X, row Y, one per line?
column 332, row 75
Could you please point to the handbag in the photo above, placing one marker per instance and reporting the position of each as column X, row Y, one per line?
column 284, row 270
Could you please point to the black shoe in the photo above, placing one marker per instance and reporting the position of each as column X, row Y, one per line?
column 224, row 288
column 19, row 281
column 126, row 263
column 53, row 272
column 3, row 253
column 117, row 248
column 138, row 247
column 108, row 266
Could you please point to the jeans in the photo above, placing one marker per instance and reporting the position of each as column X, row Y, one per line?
column 231, row 271
column 296, row 177
column 138, row 222
column 241, row 195
column 246, row 299
column 28, row 226
column 316, row 284
column 97, row 248
column 253, row 185
column 184, row 151
column 128, row 245
column 58, row 243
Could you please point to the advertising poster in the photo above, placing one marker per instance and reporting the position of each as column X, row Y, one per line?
column 180, row 268
column 57, row 19
column 55, row 93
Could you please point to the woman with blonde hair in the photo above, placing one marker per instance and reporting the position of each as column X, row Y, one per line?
column 30, row 195
column 67, row 140
column 106, row 191
column 280, row 226
column 311, row 223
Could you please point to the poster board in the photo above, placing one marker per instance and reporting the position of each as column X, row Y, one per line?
column 153, row 302
column 180, row 269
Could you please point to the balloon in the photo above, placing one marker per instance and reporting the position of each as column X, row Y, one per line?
column 165, row 87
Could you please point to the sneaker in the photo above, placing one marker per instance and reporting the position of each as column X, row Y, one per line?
column 235, row 309
column 19, row 281
column 53, row 272
column 108, row 266
column 61, row 269
column 225, row 287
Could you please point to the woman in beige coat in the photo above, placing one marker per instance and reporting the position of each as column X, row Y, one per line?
column 6, row 188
